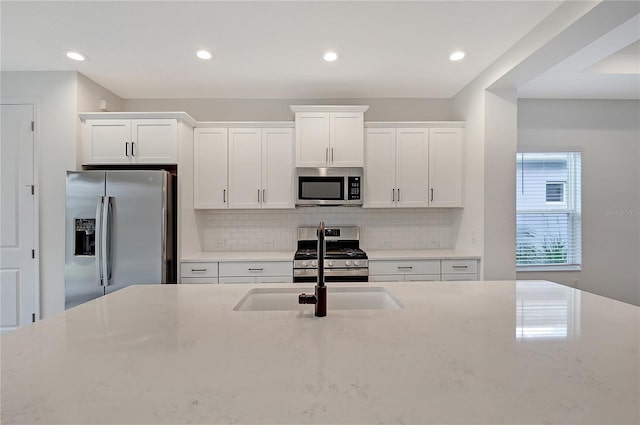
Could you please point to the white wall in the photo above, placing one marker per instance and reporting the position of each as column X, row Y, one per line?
column 279, row 109
column 58, row 96
column 55, row 137
column 607, row 132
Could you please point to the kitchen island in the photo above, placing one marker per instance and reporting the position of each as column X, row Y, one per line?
column 475, row 353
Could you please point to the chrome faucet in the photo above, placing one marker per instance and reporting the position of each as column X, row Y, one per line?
column 320, row 297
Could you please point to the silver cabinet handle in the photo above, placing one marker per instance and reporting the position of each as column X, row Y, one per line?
column 258, row 195
column 459, row 267
column 393, row 195
column 133, row 147
column 326, row 155
column 198, row 270
column 332, row 155
column 405, row 267
column 224, row 195
column 256, row 270
column 126, row 148
column 264, row 195
column 431, row 194
column 398, row 195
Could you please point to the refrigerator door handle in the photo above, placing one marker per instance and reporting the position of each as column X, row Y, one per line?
column 105, row 240
column 99, row 208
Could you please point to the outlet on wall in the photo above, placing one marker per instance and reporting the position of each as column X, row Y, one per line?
column 268, row 244
column 387, row 244
column 220, row 243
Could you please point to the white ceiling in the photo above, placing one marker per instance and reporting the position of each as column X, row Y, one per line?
column 607, row 68
column 267, row 49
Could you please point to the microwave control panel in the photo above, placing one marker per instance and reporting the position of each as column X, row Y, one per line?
column 354, row 188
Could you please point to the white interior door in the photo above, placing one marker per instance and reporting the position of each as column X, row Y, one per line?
column 18, row 270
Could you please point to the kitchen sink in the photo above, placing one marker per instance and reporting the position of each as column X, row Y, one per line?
column 338, row 298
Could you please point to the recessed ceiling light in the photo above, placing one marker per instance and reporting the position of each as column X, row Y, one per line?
column 76, row 56
column 330, row 56
column 204, row 54
column 457, row 55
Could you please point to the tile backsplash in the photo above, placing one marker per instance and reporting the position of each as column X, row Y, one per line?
column 275, row 230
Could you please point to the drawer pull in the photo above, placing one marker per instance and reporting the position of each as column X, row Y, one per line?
column 405, row 267
column 198, row 270
column 459, row 267
column 256, row 270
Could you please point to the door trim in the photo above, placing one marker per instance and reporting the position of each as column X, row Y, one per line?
column 35, row 103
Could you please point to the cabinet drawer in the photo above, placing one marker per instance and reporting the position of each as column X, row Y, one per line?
column 198, row 280
column 459, row 266
column 237, row 279
column 198, row 269
column 274, row 279
column 459, row 276
column 258, row 268
column 387, row 278
column 426, row 267
column 422, row 278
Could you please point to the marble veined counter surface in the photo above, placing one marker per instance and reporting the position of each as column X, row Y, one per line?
column 457, row 353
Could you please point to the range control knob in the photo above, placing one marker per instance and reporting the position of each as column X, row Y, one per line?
column 356, row 262
column 305, row 263
column 330, row 263
column 347, row 263
column 314, row 263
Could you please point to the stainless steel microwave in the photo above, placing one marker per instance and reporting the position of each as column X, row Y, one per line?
column 329, row 186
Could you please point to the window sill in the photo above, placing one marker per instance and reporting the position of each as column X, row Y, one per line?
column 550, row 268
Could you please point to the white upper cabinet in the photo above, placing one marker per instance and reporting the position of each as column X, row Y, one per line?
column 245, row 167
column 396, row 168
column 412, row 158
column 380, row 168
column 126, row 141
column 445, row 167
column 257, row 160
column 210, row 151
column 277, row 168
column 329, row 136
column 413, row 167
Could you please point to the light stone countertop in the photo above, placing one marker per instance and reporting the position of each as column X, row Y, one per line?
column 419, row 254
column 457, row 353
column 397, row 254
column 239, row 256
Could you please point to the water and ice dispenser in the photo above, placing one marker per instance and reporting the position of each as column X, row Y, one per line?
column 85, row 236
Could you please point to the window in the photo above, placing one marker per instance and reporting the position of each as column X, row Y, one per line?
column 548, row 203
column 555, row 192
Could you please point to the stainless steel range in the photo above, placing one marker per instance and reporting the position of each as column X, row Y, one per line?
column 344, row 260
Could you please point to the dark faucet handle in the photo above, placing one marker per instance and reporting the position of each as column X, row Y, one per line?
column 307, row 299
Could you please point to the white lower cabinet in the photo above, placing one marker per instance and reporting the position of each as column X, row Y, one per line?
column 198, row 272
column 460, row 270
column 422, row 270
column 256, row 272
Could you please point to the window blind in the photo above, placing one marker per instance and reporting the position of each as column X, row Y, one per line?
column 548, row 205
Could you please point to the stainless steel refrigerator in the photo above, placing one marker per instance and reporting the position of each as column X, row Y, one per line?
column 120, row 231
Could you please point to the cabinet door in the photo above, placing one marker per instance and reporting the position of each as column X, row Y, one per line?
column 107, row 142
column 380, row 169
column 412, row 161
column 210, row 168
column 245, row 167
column 445, row 167
column 312, row 139
column 277, row 168
column 154, row 141
column 237, row 279
column 346, row 147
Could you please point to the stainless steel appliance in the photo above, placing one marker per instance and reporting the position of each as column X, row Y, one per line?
column 329, row 186
column 344, row 260
column 120, row 230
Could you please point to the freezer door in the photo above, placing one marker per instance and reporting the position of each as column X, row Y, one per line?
column 137, row 205
column 85, row 192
